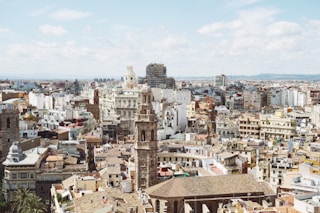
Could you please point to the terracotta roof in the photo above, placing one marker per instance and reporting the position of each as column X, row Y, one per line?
column 54, row 158
column 289, row 199
column 114, row 170
column 114, row 160
column 208, row 186
column 93, row 139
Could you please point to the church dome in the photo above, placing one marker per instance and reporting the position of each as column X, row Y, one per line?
column 15, row 148
column 29, row 117
column 15, row 153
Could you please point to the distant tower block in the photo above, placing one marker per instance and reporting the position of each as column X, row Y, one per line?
column 156, row 77
column 145, row 142
column 220, row 80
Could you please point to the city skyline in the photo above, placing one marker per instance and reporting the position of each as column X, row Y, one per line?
column 79, row 39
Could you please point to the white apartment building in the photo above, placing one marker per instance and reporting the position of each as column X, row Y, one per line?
column 249, row 126
column 267, row 126
column 40, row 100
column 182, row 96
column 191, row 109
column 120, row 103
column 28, row 129
column 172, row 96
column 171, row 118
column 309, row 203
column 253, row 99
column 222, row 110
column 226, row 128
column 278, row 167
column 306, row 181
column 62, row 99
column 315, row 115
column 296, row 97
column 88, row 92
column 277, row 126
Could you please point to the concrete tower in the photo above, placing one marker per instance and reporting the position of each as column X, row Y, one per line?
column 145, row 146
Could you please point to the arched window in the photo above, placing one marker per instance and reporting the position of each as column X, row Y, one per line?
column 175, row 206
column 152, row 135
column 8, row 123
column 143, row 135
column 157, row 206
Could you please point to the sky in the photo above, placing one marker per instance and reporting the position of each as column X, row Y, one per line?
column 42, row 39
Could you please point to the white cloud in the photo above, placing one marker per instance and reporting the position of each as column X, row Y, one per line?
column 314, row 27
column 52, row 30
column 217, row 28
column 249, row 22
column 256, row 33
column 86, row 29
column 64, row 14
column 171, row 42
column 284, row 44
column 4, row 30
column 283, row 28
column 47, row 51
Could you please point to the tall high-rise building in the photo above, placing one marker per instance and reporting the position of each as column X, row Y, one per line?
column 220, row 80
column 145, row 142
column 156, row 77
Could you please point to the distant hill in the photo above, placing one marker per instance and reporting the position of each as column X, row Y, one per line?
column 262, row 77
column 268, row 76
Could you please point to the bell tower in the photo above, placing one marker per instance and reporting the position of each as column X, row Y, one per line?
column 130, row 78
column 9, row 129
column 145, row 145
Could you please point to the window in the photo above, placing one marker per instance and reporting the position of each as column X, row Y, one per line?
column 31, row 175
column 32, row 186
column 152, row 135
column 14, row 186
column 157, row 206
column 143, row 135
column 8, row 123
column 23, row 175
column 14, row 176
column 175, row 206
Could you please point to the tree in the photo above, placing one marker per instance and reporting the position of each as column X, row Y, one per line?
column 34, row 205
column 3, row 202
column 24, row 201
column 19, row 199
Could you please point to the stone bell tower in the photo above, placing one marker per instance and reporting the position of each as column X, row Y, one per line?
column 145, row 145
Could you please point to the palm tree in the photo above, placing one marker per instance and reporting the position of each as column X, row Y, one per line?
column 19, row 199
column 24, row 201
column 35, row 204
